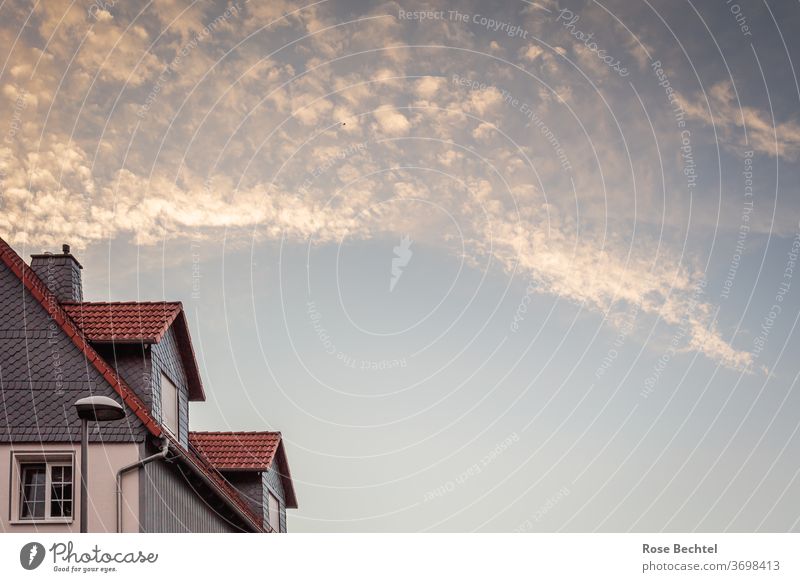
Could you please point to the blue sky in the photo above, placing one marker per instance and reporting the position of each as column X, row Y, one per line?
column 601, row 212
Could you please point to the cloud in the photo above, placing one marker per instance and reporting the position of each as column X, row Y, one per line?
column 392, row 122
column 531, row 52
column 269, row 145
column 781, row 139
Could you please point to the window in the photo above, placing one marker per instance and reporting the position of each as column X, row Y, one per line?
column 169, row 405
column 274, row 513
column 45, row 487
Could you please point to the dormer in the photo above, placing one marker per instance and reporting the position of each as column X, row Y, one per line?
column 255, row 464
column 150, row 346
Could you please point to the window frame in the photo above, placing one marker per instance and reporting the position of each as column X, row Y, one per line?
column 270, row 497
column 177, row 430
column 50, row 460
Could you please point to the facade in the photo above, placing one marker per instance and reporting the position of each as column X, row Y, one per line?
column 147, row 472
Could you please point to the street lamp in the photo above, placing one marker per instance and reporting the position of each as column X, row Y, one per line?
column 96, row 409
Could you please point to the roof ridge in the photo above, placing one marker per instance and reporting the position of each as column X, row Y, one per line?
column 231, row 432
column 129, row 302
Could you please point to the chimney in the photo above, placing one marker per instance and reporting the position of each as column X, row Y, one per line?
column 61, row 273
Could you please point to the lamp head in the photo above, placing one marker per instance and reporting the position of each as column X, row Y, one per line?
column 99, row 409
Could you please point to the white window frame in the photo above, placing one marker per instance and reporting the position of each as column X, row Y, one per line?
column 276, row 526
column 49, row 460
column 166, row 382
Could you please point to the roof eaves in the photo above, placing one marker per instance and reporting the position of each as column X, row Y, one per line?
column 196, row 391
column 286, row 476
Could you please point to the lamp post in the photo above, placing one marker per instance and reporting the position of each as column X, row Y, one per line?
column 97, row 409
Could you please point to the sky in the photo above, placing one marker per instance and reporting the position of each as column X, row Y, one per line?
column 512, row 266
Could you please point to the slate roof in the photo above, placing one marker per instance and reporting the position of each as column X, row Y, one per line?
column 125, row 321
column 52, row 306
column 246, row 451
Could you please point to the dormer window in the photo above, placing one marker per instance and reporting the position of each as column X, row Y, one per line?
column 169, row 405
column 274, row 512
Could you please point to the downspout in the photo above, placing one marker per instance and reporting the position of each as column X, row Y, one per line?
column 162, row 454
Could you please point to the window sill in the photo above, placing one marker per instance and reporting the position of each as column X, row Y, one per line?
column 52, row 521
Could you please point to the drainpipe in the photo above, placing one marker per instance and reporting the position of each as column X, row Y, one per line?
column 162, row 454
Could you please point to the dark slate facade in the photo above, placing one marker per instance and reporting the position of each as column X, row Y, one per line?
column 272, row 482
column 255, row 487
column 250, row 486
column 166, row 359
column 42, row 374
column 132, row 362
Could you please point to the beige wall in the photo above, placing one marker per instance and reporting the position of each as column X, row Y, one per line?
column 104, row 462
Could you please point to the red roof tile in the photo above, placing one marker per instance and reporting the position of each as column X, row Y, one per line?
column 232, row 451
column 246, row 451
column 127, row 321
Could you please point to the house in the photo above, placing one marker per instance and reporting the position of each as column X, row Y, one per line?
column 147, row 472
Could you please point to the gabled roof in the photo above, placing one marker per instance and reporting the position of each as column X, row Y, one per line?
column 233, row 451
column 50, row 303
column 124, row 321
column 246, row 451
column 143, row 322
